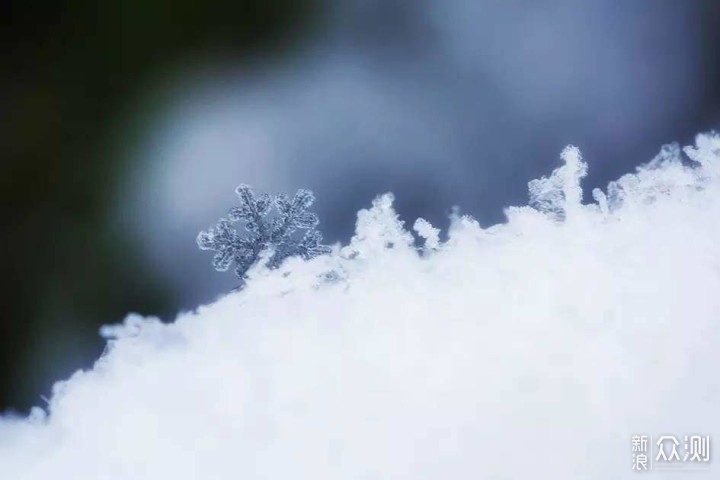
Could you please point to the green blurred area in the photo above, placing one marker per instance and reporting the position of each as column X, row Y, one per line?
column 72, row 75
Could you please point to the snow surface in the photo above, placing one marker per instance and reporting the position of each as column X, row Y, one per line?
column 530, row 349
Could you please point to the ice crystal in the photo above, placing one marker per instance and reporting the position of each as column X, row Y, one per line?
column 560, row 194
column 265, row 232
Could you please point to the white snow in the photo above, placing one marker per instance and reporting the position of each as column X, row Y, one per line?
column 430, row 234
column 530, row 349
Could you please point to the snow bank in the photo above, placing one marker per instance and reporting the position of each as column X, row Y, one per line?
column 531, row 349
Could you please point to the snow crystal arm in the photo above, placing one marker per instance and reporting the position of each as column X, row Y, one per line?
column 310, row 246
column 294, row 214
column 222, row 239
column 251, row 209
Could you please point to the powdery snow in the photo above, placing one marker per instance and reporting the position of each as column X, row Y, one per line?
column 530, row 349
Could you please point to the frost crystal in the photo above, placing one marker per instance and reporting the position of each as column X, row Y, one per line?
column 266, row 233
column 428, row 232
column 560, row 194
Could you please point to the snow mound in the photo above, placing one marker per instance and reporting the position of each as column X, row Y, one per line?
column 530, row 349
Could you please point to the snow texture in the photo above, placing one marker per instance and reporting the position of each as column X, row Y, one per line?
column 530, row 349
column 270, row 235
column 428, row 232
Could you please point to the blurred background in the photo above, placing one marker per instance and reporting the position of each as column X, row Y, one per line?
column 127, row 124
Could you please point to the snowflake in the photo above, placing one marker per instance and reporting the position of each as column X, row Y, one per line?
column 265, row 231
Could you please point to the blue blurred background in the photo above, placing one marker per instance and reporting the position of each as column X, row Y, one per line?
column 127, row 124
